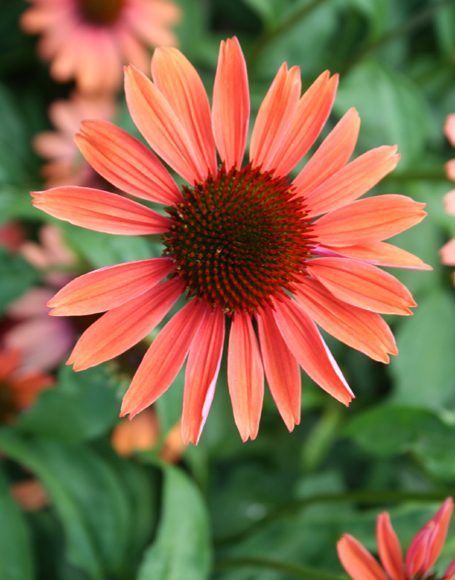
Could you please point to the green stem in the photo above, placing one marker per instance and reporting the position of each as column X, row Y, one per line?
column 290, row 570
column 410, row 24
column 286, row 24
column 359, row 497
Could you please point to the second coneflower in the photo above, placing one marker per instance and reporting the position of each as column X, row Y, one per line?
column 259, row 258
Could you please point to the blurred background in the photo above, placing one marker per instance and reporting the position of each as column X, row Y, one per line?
column 85, row 496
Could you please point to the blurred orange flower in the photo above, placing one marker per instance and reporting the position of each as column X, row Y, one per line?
column 89, row 40
column 447, row 251
column 420, row 557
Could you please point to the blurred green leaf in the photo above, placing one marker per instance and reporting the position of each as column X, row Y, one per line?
column 182, row 548
column 424, row 370
column 16, row 558
column 389, row 104
column 444, row 22
column 268, row 10
column 82, row 406
column 16, row 276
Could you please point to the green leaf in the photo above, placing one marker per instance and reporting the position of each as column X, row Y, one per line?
column 16, row 558
column 81, row 406
column 424, row 370
column 88, row 496
column 16, row 276
column 182, row 548
column 389, row 104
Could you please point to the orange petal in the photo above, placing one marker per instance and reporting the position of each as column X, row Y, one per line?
column 100, row 211
column 366, row 220
column 164, row 359
column 449, row 574
column 449, row 128
column 441, row 520
column 245, row 376
column 9, row 361
column 306, row 344
column 334, row 152
column 125, row 162
column 362, row 285
column 352, row 180
column 109, row 287
column 157, row 121
column 418, row 552
column 358, row 328
column 450, row 169
column 202, row 369
column 447, row 253
column 275, row 116
column 383, row 254
column 124, row 326
column 231, row 104
column 181, row 85
column 449, row 202
column 281, row 370
column 312, row 113
column 357, row 561
column 389, row 548
column 25, row 389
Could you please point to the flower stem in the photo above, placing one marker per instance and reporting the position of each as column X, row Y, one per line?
column 290, row 570
column 359, row 497
column 282, row 27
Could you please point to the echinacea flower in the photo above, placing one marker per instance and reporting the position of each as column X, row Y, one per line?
column 245, row 245
column 18, row 387
column 420, row 556
column 448, row 250
column 64, row 161
column 90, row 40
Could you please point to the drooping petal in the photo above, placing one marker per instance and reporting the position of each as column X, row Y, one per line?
column 357, row 561
column 382, row 254
column 275, row 116
column 368, row 220
column 109, row 287
column 389, row 548
column 231, row 104
column 125, row 162
column 309, row 349
column 311, row 115
column 281, row 369
column 124, row 326
column 99, row 210
column 157, row 121
column 441, row 520
column 164, row 359
column 334, row 152
column 181, row 85
column 362, row 285
column 245, row 376
column 352, row 180
column 447, row 253
column 202, row 369
column 358, row 328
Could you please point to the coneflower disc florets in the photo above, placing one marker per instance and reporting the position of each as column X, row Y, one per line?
column 239, row 238
column 100, row 11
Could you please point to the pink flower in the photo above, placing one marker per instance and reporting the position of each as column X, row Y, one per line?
column 420, row 557
column 447, row 252
column 89, row 40
column 246, row 248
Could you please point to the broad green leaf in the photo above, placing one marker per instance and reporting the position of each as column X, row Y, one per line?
column 424, row 370
column 389, row 104
column 81, row 406
column 16, row 558
column 16, row 276
column 182, row 548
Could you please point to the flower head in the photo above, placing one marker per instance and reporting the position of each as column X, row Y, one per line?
column 64, row 161
column 259, row 258
column 420, row 557
column 89, row 40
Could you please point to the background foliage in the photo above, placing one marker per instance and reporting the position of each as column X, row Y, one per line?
column 275, row 507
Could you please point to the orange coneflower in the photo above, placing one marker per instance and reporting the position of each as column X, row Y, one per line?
column 64, row 161
column 18, row 387
column 420, row 557
column 89, row 40
column 448, row 250
column 244, row 245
